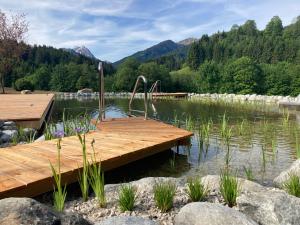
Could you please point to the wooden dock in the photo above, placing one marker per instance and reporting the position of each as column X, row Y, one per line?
column 25, row 170
column 26, row 110
column 170, row 95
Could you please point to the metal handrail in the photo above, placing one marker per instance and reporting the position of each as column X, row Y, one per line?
column 101, row 93
column 155, row 86
column 141, row 77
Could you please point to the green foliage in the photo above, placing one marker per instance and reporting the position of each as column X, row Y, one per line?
column 96, row 179
column 292, row 185
column 23, row 84
column 60, row 194
column 196, row 190
column 127, row 196
column 249, row 173
column 163, row 195
column 229, row 187
column 84, row 175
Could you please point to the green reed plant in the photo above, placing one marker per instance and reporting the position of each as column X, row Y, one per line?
column 60, row 193
column 286, row 118
column 249, row 173
column 196, row 190
column 297, row 145
column 127, row 197
column 189, row 123
column 83, row 176
column 176, row 121
column 96, row 179
column 292, row 185
column 274, row 146
column 164, row 193
column 263, row 157
column 229, row 187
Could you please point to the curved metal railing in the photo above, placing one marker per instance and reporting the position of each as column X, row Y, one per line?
column 156, row 87
column 140, row 78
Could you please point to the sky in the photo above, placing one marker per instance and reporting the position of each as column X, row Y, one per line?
column 113, row 29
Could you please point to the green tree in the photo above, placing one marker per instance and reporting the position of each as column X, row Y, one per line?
column 209, row 77
column 274, row 27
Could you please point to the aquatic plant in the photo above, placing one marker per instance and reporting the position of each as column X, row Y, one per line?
column 263, row 157
column 292, row 185
column 226, row 134
column 127, row 197
column 83, row 176
column 297, row 145
column 189, row 123
column 196, row 190
column 229, row 187
column 60, row 193
column 176, row 121
column 274, row 146
column 242, row 127
column 164, row 193
column 172, row 162
column 96, row 179
column 286, row 118
column 249, row 173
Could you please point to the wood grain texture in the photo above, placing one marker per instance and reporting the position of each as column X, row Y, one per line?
column 25, row 169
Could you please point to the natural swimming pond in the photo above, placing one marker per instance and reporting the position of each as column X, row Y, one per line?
column 263, row 139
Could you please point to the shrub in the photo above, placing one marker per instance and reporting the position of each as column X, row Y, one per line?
column 163, row 195
column 292, row 185
column 127, row 196
column 196, row 190
column 23, row 84
column 229, row 188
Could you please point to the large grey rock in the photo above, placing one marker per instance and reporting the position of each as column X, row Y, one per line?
column 127, row 220
column 205, row 213
column 1, row 124
column 29, row 211
column 270, row 207
column 213, row 184
column 4, row 138
column 9, row 123
column 284, row 175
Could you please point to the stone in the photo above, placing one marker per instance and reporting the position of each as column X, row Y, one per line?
column 29, row 132
column 205, row 213
column 9, row 123
column 10, row 133
column 285, row 175
column 274, row 207
column 127, row 220
column 30, row 211
column 25, row 92
column 1, row 124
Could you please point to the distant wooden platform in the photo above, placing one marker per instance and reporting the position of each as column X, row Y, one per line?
column 27, row 110
column 25, row 170
column 171, row 95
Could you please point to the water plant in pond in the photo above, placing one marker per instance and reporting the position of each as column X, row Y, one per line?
column 164, row 193
column 172, row 162
column 189, row 123
column 249, row 173
column 297, row 145
column 263, row 158
column 176, row 121
column 83, row 175
column 60, row 193
column 286, row 118
column 229, row 187
column 96, row 179
column 292, row 185
column 242, row 127
column 127, row 196
column 196, row 189
column 226, row 134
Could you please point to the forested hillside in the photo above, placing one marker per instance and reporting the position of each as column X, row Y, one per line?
column 243, row 60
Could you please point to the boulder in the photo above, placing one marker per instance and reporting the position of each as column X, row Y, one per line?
column 30, row 211
column 25, row 92
column 205, row 213
column 127, row 220
column 1, row 124
column 284, row 175
column 274, row 207
column 4, row 138
column 10, row 133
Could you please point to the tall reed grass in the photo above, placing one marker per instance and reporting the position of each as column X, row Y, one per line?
column 164, row 193
column 229, row 187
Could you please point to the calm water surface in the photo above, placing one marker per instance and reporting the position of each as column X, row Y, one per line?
column 266, row 144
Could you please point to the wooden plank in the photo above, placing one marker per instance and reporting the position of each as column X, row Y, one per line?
column 25, row 169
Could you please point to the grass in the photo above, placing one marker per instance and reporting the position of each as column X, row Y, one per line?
column 286, row 118
column 249, row 173
column 226, row 134
column 164, row 193
column 127, row 196
column 229, row 187
column 60, row 193
column 83, row 176
column 196, row 190
column 263, row 157
column 96, row 179
column 292, row 185
column 297, row 145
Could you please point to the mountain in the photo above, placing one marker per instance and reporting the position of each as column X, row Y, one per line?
column 80, row 50
column 187, row 41
column 156, row 51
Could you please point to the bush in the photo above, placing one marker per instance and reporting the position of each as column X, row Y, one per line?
column 229, row 188
column 127, row 198
column 196, row 190
column 163, row 195
column 292, row 185
column 23, row 84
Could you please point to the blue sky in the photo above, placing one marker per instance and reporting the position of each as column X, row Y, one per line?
column 113, row 29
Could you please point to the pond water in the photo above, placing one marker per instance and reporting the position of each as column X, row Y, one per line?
column 264, row 139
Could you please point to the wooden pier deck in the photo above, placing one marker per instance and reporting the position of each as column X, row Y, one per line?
column 25, row 170
column 26, row 110
column 170, row 95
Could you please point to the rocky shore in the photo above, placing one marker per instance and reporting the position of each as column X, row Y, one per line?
column 191, row 96
column 256, row 205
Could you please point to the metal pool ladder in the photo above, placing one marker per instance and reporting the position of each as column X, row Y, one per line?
column 156, row 87
column 145, row 111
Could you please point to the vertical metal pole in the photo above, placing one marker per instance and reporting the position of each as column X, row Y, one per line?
column 101, row 92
